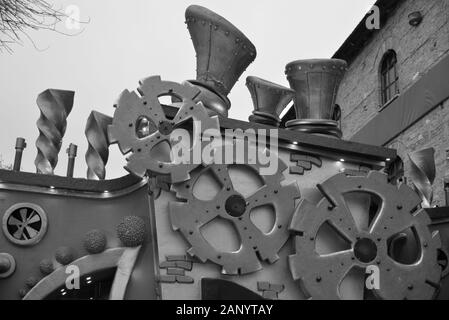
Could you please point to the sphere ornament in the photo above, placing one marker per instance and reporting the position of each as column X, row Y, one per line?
column 131, row 231
column 64, row 255
column 95, row 241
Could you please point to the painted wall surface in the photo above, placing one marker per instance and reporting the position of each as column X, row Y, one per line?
column 69, row 219
column 418, row 49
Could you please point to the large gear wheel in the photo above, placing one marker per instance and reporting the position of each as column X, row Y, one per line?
column 320, row 275
column 133, row 110
column 192, row 214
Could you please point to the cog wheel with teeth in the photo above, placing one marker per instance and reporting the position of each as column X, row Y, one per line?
column 140, row 125
column 321, row 274
column 192, row 214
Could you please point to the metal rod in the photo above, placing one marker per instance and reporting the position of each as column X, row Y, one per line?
column 71, row 151
column 20, row 146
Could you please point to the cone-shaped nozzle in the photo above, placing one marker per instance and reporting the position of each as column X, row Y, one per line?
column 269, row 100
column 97, row 153
column 223, row 53
column 316, row 84
column 422, row 173
column 55, row 106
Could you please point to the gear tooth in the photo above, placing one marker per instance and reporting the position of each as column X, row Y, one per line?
column 282, row 167
column 294, row 189
column 150, row 85
column 191, row 92
column 121, row 97
column 292, row 261
column 273, row 258
column 124, row 149
column 194, row 253
column 135, row 169
column 228, row 270
column 410, row 199
column 150, row 81
column 302, row 213
column 423, row 218
column 436, row 239
column 200, row 104
column 175, row 210
column 378, row 176
column 111, row 136
column 215, row 121
column 256, row 266
column 180, row 176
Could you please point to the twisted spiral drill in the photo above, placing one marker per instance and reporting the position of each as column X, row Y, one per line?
column 55, row 106
column 97, row 153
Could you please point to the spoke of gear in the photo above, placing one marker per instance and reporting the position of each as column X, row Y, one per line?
column 190, row 216
column 320, row 275
column 132, row 109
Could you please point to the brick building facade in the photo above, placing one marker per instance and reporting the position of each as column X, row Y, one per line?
column 420, row 60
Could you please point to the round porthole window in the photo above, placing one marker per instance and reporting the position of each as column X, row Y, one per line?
column 25, row 224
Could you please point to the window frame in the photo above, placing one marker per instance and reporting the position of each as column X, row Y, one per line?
column 388, row 69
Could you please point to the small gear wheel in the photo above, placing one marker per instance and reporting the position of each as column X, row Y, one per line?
column 229, row 204
column 369, row 244
column 140, row 126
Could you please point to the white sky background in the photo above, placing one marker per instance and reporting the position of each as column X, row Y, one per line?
column 129, row 40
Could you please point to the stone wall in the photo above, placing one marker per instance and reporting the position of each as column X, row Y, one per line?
column 418, row 49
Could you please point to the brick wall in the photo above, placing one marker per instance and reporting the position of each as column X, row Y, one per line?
column 417, row 49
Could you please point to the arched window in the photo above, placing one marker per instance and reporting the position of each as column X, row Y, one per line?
column 389, row 77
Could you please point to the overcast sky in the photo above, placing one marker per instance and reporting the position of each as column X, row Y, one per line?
column 129, row 40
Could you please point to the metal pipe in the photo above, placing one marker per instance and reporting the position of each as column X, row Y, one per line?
column 71, row 151
column 20, row 146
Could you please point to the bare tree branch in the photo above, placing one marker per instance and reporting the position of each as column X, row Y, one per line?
column 17, row 17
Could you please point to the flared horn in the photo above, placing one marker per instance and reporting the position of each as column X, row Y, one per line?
column 269, row 100
column 223, row 53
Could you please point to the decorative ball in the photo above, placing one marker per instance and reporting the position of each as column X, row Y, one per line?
column 64, row 255
column 5, row 264
column 32, row 281
column 46, row 266
column 95, row 241
column 131, row 231
column 23, row 292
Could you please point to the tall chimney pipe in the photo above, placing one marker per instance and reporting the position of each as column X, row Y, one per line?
column 71, row 151
column 20, row 146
